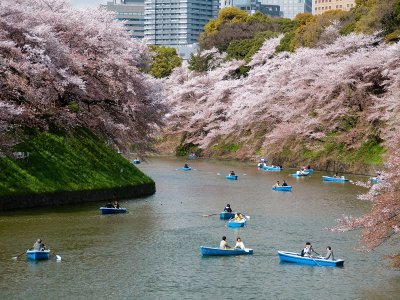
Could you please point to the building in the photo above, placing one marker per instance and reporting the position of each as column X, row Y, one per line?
column 290, row 8
column 177, row 22
column 270, row 10
column 132, row 12
column 321, row 6
column 251, row 6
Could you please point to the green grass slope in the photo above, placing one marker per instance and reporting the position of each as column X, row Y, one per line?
column 66, row 163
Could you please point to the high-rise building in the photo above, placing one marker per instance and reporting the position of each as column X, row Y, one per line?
column 290, row 8
column 251, row 6
column 321, row 6
column 177, row 22
column 132, row 12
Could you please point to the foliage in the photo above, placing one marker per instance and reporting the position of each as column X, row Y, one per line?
column 185, row 149
column 79, row 161
column 163, row 61
column 198, row 62
column 65, row 68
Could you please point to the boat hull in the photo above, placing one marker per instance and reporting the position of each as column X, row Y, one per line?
column 214, row 251
column 334, row 179
column 136, row 161
column 268, row 168
column 226, row 215
column 236, row 224
column 300, row 175
column 292, row 257
column 112, row 211
column 375, row 180
column 232, row 177
column 308, row 170
column 37, row 255
column 186, row 169
column 287, row 188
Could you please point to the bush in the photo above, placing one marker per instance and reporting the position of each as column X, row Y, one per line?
column 163, row 62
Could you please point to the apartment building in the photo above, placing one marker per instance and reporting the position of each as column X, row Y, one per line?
column 321, row 6
column 290, row 8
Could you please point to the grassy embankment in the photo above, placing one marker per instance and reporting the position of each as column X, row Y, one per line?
column 59, row 163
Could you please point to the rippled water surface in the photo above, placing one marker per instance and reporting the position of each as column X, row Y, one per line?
column 153, row 251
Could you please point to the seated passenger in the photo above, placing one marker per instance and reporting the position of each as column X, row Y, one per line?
column 109, row 205
column 238, row 217
column 277, row 184
column 39, row 245
column 186, row 166
column 307, row 251
column 329, row 253
column 223, row 244
column 239, row 244
column 116, row 204
column 232, row 173
column 284, row 183
column 228, row 208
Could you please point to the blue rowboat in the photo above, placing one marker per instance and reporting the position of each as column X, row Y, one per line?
column 287, row 188
column 235, row 224
column 300, row 174
column 136, row 161
column 226, row 215
column 214, row 251
column 308, row 170
column 270, row 168
column 185, row 169
column 334, row 179
column 297, row 258
column 375, row 180
column 38, row 255
column 232, row 177
column 110, row 211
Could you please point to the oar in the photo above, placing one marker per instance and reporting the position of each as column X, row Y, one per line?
column 16, row 257
column 58, row 257
column 210, row 215
column 315, row 261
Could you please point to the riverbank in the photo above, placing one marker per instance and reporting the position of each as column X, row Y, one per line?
column 51, row 169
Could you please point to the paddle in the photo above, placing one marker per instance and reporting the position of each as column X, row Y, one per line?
column 16, row 257
column 58, row 257
column 210, row 215
column 315, row 261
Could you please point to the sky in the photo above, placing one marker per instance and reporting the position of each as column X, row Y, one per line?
column 88, row 3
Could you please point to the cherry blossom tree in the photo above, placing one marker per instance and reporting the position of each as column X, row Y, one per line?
column 67, row 68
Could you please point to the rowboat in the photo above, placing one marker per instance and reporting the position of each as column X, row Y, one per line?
column 375, row 180
column 334, row 179
column 214, row 251
column 226, row 215
column 136, row 161
column 235, row 224
column 319, row 261
column 232, row 177
column 38, row 255
column 300, row 174
column 286, row 188
column 270, row 168
column 308, row 170
column 112, row 210
column 186, row 169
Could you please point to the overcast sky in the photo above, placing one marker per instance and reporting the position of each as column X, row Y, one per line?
column 88, row 3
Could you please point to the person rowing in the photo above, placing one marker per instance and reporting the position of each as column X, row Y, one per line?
column 277, row 184
column 224, row 244
column 228, row 208
column 308, row 250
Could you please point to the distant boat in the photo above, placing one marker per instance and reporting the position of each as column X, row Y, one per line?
column 308, row 170
column 112, row 210
column 214, row 251
column 235, row 224
column 304, row 174
column 37, row 254
column 297, row 258
column 271, row 168
column 186, row 169
column 232, row 177
column 192, row 156
column 334, row 179
column 286, row 188
column 375, row 179
column 136, row 161
column 226, row 215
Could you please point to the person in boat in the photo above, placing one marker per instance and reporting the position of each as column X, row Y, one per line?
column 228, row 208
column 39, row 245
column 224, row 244
column 186, row 166
column 238, row 217
column 336, row 175
column 308, row 250
column 308, row 167
column 239, row 243
column 116, row 204
column 232, row 173
column 284, row 183
column 329, row 253
column 109, row 205
column 277, row 184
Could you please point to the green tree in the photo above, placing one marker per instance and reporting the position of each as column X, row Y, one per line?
column 199, row 63
column 164, row 60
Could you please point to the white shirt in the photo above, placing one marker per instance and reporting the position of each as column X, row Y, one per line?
column 239, row 245
column 223, row 244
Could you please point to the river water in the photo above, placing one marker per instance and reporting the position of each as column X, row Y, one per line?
column 153, row 251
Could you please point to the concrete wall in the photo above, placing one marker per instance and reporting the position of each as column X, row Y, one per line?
column 76, row 197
